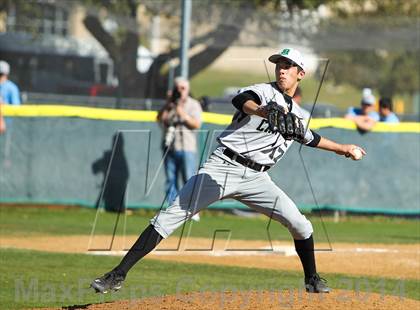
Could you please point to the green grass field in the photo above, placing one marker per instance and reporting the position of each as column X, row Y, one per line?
column 78, row 221
column 39, row 279
column 213, row 82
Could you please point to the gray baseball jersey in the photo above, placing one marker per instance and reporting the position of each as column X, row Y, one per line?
column 250, row 136
column 223, row 176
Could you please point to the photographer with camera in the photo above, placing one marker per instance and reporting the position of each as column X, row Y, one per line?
column 179, row 118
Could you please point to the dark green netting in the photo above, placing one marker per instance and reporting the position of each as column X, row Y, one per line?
column 65, row 161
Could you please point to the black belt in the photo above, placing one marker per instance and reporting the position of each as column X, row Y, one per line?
column 244, row 161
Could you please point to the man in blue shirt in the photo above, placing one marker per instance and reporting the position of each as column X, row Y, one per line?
column 385, row 111
column 9, row 93
column 364, row 117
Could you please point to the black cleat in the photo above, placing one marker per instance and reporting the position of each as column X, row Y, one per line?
column 316, row 284
column 111, row 281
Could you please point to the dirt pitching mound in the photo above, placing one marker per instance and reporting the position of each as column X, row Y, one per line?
column 287, row 299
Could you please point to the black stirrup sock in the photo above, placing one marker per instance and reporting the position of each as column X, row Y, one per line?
column 147, row 241
column 305, row 250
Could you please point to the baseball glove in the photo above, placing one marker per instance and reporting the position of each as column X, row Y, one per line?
column 286, row 123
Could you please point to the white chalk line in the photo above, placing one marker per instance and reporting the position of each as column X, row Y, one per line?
column 264, row 251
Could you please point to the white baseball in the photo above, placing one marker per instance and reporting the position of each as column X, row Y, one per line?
column 357, row 154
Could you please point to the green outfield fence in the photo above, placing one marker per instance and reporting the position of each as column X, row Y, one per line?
column 62, row 155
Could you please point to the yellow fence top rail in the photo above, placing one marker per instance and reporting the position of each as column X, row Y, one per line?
column 150, row 116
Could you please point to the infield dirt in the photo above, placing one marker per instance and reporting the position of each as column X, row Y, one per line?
column 380, row 260
column 337, row 300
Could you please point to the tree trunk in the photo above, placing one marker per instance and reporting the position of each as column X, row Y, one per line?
column 153, row 84
column 124, row 55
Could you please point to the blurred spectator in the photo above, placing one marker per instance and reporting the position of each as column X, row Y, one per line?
column 385, row 111
column 297, row 98
column 9, row 92
column 364, row 117
column 179, row 118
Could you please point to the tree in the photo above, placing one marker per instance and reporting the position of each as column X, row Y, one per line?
column 216, row 25
column 122, row 44
column 393, row 72
column 379, row 45
column 223, row 20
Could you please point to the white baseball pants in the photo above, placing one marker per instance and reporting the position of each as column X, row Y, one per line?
column 220, row 178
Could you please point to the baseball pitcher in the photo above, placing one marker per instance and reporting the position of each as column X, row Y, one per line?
column 266, row 123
